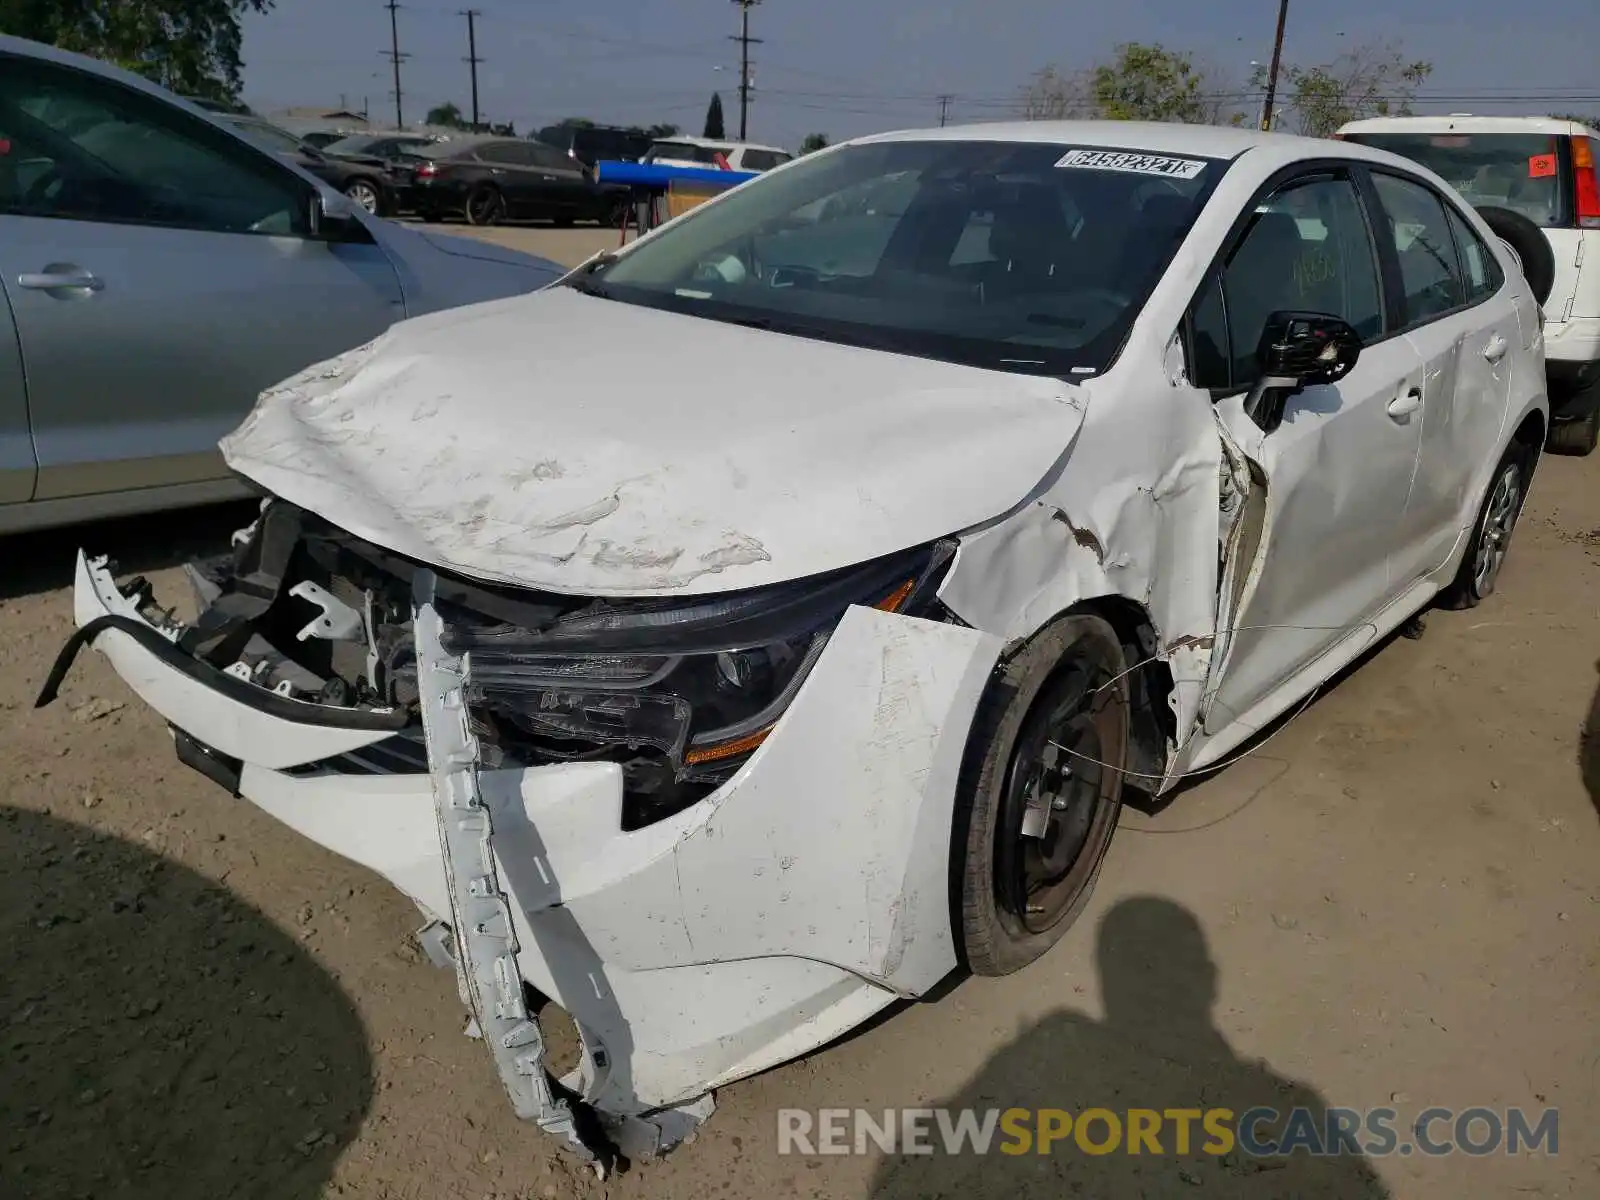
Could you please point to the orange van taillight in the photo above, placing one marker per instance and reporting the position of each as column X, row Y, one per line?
column 1586, row 182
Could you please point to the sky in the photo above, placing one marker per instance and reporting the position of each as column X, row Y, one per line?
column 844, row 67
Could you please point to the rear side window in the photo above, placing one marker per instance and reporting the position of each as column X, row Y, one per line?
column 518, row 154
column 1478, row 264
column 1529, row 173
column 762, row 160
column 1420, row 233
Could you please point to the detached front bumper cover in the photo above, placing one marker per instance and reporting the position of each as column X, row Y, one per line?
column 794, row 901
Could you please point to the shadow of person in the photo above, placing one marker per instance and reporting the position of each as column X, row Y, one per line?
column 160, row 1037
column 1157, row 1049
column 1589, row 747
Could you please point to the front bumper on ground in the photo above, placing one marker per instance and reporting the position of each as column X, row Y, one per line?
column 803, row 896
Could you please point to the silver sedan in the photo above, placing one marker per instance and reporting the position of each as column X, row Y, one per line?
column 157, row 271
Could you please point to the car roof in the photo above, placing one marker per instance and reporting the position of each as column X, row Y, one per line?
column 1158, row 137
column 1467, row 123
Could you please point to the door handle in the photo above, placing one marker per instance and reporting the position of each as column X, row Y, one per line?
column 61, row 277
column 1496, row 349
column 1401, row 407
column 548, row 178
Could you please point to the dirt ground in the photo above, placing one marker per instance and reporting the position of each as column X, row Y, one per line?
column 1393, row 902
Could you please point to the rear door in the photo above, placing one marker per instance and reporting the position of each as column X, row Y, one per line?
column 511, row 169
column 1464, row 326
column 566, row 183
column 161, row 274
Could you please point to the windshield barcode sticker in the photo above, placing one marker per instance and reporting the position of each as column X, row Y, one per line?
column 1134, row 164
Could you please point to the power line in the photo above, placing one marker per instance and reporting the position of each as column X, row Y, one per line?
column 744, row 39
column 472, row 15
column 394, row 56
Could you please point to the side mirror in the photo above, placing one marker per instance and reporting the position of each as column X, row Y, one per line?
column 1298, row 350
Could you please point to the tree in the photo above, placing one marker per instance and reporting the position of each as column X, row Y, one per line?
column 1592, row 120
column 813, row 143
column 661, row 131
column 1139, row 83
column 189, row 46
column 447, row 115
column 714, row 123
column 1374, row 79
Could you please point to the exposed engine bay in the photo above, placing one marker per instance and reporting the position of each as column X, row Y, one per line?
column 677, row 692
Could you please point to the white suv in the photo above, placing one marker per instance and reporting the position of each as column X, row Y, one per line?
column 703, row 152
column 1544, row 169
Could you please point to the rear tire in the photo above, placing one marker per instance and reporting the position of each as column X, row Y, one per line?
column 1036, row 809
column 1529, row 243
column 485, row 206
column 1491, row 534
column 1578, row 437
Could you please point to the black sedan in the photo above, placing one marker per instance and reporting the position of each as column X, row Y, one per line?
column 368, row 180
column 488, row 180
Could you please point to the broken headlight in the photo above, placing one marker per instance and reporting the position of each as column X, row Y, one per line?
column 678, row 691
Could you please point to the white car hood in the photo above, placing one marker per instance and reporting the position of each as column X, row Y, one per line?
column 574, row 444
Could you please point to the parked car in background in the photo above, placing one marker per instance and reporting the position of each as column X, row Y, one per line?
column 705, row 152
column 591, row 144
column 399, row 154
column 320, row 138
column 1547, row 170
column 157, row 270
column 729, row 708
column 370, row 181
column 489, row 180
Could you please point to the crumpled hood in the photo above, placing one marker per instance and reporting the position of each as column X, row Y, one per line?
column 580, row 445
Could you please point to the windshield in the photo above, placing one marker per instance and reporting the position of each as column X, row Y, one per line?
column 1525, row 172
column 1016, row 256
column 269, row 137
column 684, row 152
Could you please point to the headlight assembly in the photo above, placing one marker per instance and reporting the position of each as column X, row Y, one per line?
column 679, row 691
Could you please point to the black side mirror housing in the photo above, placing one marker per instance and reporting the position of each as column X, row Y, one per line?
column 1298, row 350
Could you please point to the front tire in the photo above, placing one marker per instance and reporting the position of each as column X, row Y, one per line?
column 1041, row 793
column 1491, row 535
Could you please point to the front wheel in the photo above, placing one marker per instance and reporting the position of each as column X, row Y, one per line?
column 1041, row 793
column 1491, row 537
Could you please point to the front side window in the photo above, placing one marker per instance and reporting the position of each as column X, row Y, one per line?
column 1420, row 232
column 83, row 148
column 1018, row 256
column 1307, row 249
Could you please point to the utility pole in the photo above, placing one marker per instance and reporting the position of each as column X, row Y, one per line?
column 745, row 41
column 944, row 107
column 472, row 15
column 394, row 56
column 1277, row 61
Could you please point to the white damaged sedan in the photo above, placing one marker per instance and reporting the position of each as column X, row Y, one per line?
column 1025, row 470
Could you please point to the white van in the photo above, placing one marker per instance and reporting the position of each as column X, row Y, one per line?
column 1544, row 169
column 703, row 152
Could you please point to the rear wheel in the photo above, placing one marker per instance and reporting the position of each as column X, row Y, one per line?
column 1579, row 435
column 365, row 193
column 1491, row 537
column 485, row 206
column 1041, row 794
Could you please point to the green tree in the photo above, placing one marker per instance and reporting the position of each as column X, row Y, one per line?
column 661, row 130
column 447, row 115
column 1592, row 120
column 189, row 46
column 715, row 127
column 1374, row 79
column 1139, row 83
column 813, row 143
column 1150, row 83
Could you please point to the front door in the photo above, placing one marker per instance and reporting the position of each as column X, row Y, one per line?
column 1314, row 565
column 161, row 274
